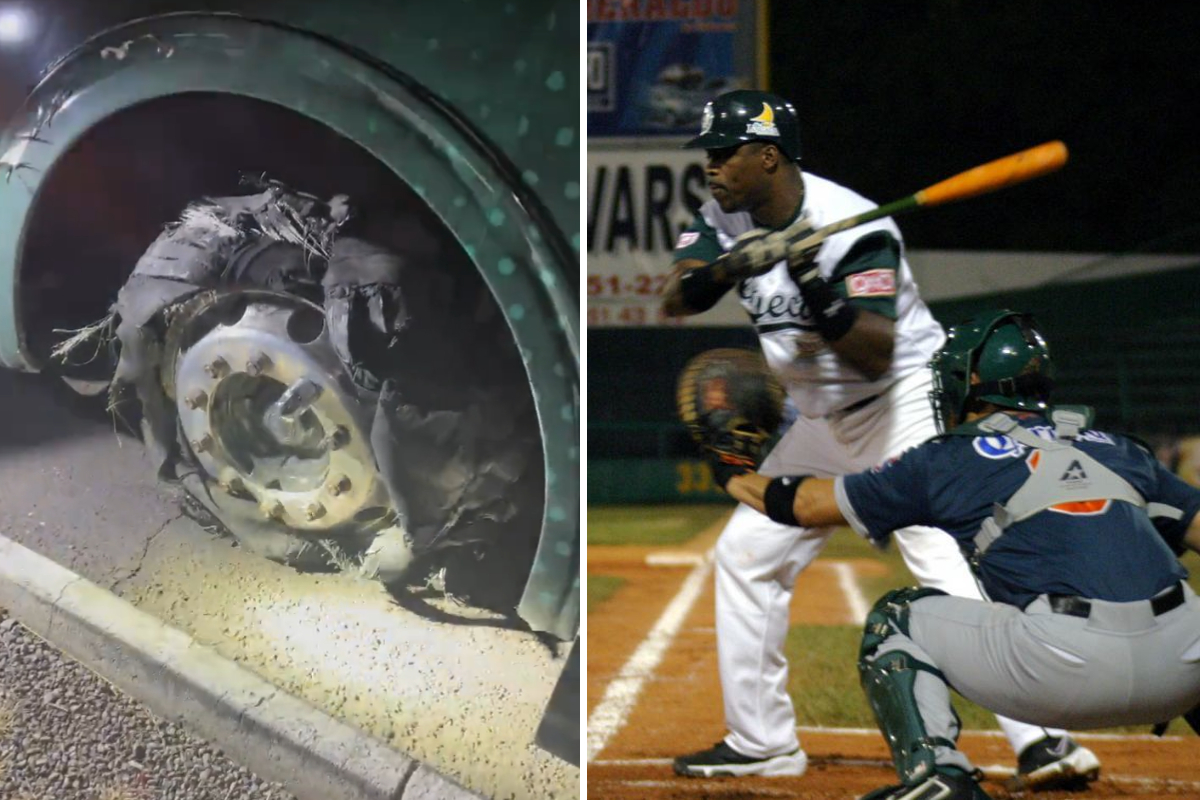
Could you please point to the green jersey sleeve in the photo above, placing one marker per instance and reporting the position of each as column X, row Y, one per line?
column 866, row 275
column 698, row 241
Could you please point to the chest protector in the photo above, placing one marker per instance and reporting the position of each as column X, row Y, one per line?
column 1060, row 475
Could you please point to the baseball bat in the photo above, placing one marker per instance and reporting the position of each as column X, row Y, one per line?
column 990, row 177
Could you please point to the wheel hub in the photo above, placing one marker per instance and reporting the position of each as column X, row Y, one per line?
column 271, row 415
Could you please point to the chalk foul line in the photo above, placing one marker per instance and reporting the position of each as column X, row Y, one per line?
column 622, row 693
column 851, row 591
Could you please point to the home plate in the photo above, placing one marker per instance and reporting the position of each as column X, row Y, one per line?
column 674, row 559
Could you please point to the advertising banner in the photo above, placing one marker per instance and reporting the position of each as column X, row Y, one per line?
column 639, row 201
column 652, row 64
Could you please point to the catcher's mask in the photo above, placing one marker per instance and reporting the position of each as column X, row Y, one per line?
column 747, row 115
column 1010, row 358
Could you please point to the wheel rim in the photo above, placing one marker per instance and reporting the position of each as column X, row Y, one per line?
column 271, row 416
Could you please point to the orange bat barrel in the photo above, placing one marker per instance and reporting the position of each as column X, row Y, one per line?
column 998, row 174
column 1007, row 171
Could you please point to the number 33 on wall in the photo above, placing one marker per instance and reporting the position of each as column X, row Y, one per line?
column 695, row 477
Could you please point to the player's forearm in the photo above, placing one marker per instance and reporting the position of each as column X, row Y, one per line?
column 868, row 345
column 862, row 338
column 749, row 489
column 1192, row 537
column 814, row 504
column 673, row 304
column 693, row 288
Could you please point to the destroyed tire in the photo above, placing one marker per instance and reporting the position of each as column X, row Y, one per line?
column 280, row 378
column 277, row 375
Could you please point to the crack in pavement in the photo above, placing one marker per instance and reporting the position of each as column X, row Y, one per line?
column 179, row 514
column 413, row 766
column 257, row 703
column 54, row 605
column 250, row 707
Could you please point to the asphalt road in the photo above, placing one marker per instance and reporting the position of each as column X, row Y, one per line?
column 453, row 686
column 71, row 487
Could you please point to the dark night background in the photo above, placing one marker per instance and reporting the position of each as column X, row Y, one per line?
column 895, row 96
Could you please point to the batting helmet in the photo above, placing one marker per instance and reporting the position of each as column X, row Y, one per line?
column 746, row 115
column 1007, row 352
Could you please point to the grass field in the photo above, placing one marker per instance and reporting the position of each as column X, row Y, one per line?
column 651, row 525
column 823, row 678
column 600, row 588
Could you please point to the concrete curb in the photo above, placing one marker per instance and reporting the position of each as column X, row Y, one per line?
column 277, row 736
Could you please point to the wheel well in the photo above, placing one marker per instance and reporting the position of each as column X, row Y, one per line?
column 109, row 196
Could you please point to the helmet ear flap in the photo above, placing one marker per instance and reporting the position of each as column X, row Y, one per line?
column 951, row 384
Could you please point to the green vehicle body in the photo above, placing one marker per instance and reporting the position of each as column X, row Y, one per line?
column 472, row 103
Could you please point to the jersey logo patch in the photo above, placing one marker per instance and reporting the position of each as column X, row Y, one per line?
column 686, row 238
column 1074, row 473
column 997, row 447
column 872, row 283
column 885, row 464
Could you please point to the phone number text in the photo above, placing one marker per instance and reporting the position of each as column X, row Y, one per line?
column 626, row 285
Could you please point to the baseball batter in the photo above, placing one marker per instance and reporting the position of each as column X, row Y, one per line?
column 845, row 330
column 1074, row 535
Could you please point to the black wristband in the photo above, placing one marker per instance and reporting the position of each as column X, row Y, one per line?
column 780, row 498
column 700, row 288
column 834, row 317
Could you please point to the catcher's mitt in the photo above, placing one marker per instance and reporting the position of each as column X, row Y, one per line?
column 731, row 404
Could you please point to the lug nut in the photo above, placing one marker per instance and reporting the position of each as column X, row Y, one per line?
column 203, row 444
column 272, row 509
column 340, row 486
column 196, row 399
column 313, row 511
column 257, row 364
column 336, row 438
column 216, row 368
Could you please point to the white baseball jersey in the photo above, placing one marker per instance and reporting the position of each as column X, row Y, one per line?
column 868, row 266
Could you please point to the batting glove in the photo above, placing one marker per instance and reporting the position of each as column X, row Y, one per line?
column 802, row 259
column 754, row 253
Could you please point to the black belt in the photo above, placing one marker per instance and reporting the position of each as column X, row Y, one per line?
column 866, row 401
column 1078, row 607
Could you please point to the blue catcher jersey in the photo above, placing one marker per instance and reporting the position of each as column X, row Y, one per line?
column 1105, row 550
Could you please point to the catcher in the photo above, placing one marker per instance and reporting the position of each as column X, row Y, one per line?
column 1072, row 532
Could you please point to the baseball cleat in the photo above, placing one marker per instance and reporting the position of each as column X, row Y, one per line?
column 722, row 761
column 1056, row 762
column 951, row 784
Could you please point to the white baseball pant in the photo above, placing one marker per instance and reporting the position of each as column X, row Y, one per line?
column 758, row 562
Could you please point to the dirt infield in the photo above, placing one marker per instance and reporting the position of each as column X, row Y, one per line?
column 660, row 694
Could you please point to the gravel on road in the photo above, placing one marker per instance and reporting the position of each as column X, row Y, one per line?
column 67, row 734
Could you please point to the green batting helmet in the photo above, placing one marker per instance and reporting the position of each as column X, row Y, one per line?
column 746, row 115
column 1010, row 356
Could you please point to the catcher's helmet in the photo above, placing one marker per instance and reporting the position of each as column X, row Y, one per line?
column 1008, row 353
column 747, row 115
